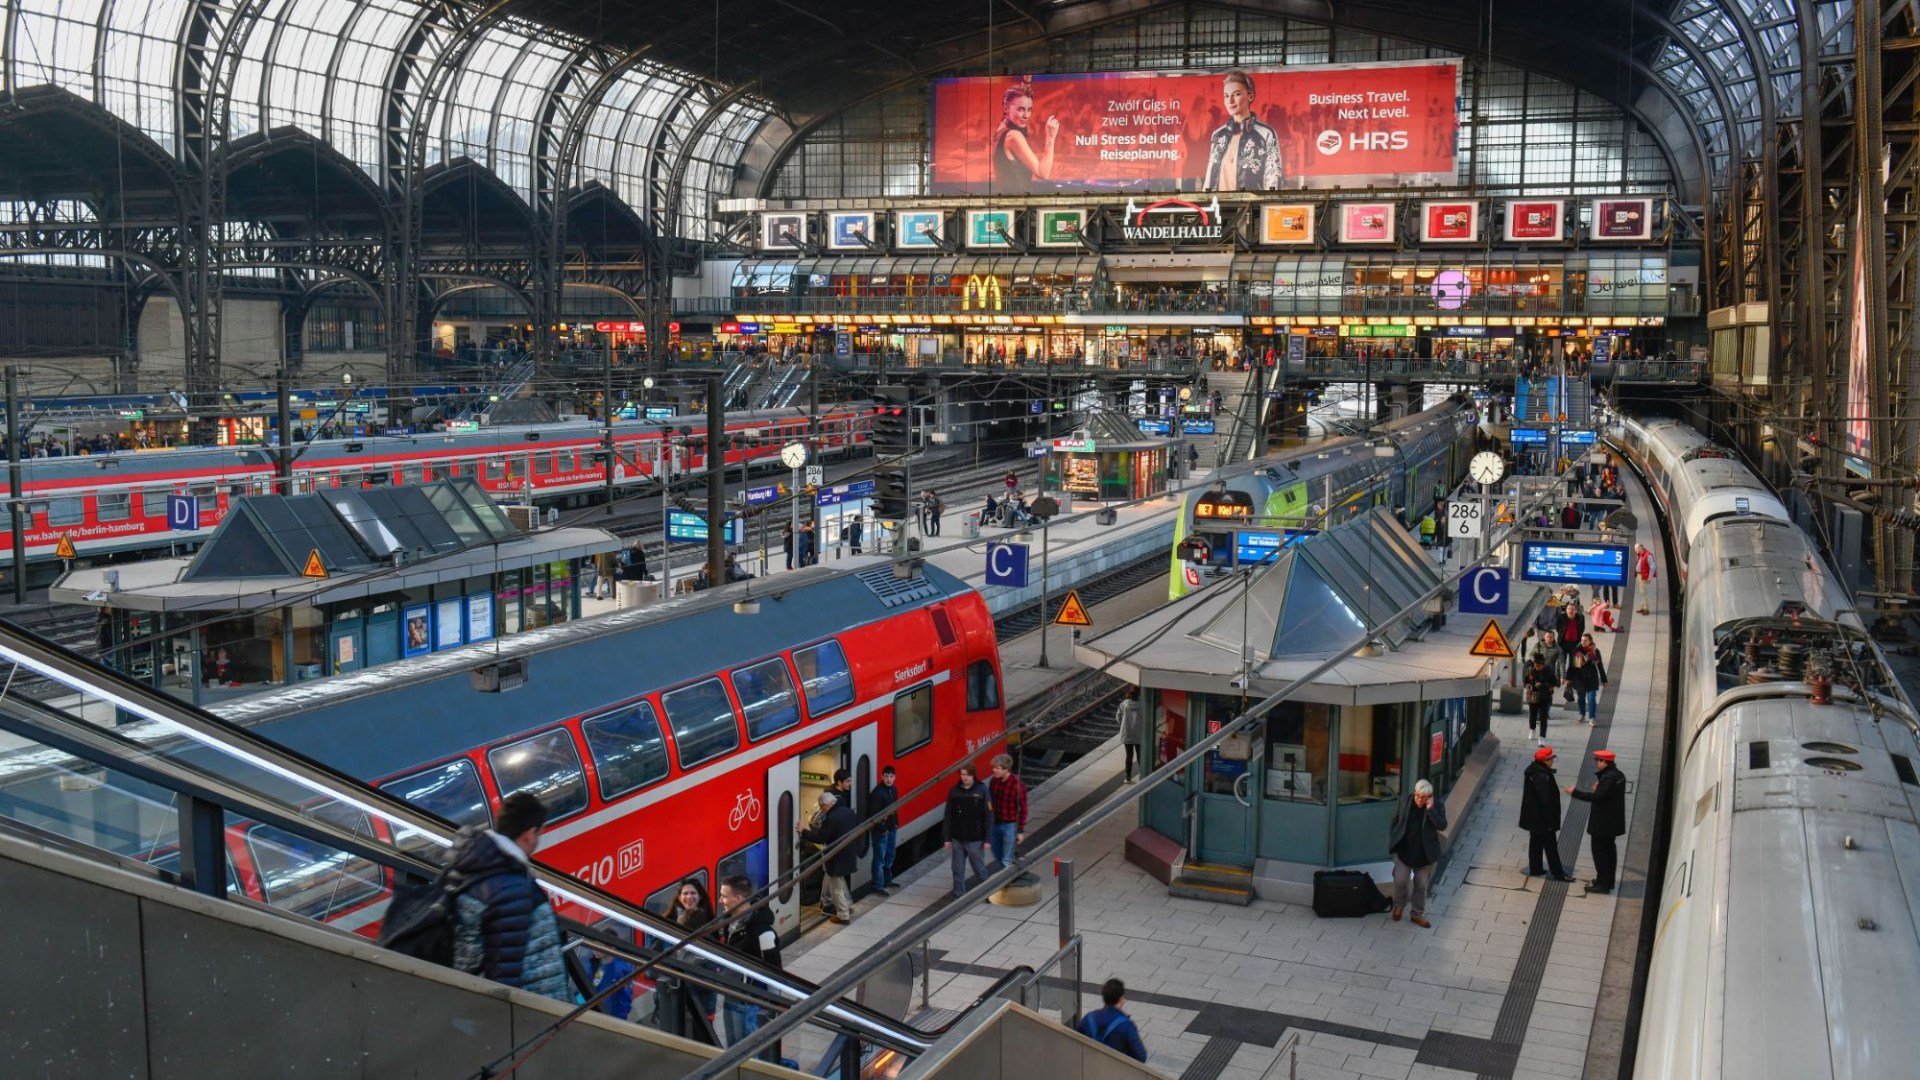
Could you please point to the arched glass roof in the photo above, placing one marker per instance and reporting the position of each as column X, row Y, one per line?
column 332, row 68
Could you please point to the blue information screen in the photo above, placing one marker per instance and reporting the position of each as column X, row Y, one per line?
column 1528, row 437
column 1576, row 438
column 689, row 528
column 1198, row 427
column 1156, row 427
column 1259, row 547
column 1573, row 564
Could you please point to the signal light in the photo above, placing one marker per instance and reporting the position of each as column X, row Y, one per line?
column 892, row 498
column 893, row 421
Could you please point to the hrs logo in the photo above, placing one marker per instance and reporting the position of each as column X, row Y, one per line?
column 1332, row 142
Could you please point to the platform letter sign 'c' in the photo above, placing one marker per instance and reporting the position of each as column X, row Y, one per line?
column 1484, row 591
column 1007, row 565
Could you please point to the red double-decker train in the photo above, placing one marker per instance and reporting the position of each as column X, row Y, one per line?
column 681, row 740
column 107, row 503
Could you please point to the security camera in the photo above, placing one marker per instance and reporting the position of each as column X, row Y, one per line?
column 1239, row 682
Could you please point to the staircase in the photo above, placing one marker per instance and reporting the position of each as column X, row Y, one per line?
column 1536, row 401
column 1210, row 881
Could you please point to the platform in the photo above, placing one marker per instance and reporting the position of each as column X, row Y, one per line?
column 1508, row 983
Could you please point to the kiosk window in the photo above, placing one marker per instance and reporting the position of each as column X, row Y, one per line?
column 766, row 695
column 825, row 677
column 703, row 723
column 547, row 765
column 629, row 752
column 912, row 719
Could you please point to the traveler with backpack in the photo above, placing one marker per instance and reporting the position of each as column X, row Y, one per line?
column 1111, row 1026
column 486, row 915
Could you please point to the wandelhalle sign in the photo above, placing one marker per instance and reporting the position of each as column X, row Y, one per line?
column 1301, row 127
column 1171, row 221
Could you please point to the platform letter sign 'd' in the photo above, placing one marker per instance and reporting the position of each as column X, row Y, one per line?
column 183, row 513
column 1484, row 591
column 1007, row 565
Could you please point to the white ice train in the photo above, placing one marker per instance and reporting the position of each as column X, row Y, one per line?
column 1787, row 942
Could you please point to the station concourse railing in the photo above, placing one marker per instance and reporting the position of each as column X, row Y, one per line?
column 175, row 793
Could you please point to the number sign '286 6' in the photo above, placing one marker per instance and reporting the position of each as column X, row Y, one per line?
column 1463, row 520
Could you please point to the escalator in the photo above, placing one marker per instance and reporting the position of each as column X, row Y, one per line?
column 120, row 776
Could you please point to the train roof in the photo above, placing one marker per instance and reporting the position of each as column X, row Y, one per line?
column 387, row 719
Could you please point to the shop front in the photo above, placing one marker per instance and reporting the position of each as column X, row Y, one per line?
column 1110, row 462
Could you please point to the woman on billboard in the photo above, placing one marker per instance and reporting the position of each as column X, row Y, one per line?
column 1243, row 153
column 1015, row 164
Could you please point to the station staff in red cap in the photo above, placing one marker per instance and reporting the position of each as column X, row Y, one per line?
column 1540, row 815
column 1608, row 821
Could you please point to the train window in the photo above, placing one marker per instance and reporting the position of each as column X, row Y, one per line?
column 702, row 720
column 411, row 474
column 496, row 469
column 912, row 719
column 153, row 503
column 451, row 791
column 309, row 878
column 450, row 469
column 628, row 750
column 547, row 765
column 766, row 696
column 65, row 511
column 113, row 506
column 983, row 686
column 825, row 677
column 662, row 899
column 1903, row 767
column 750, row 860
column 542, row 464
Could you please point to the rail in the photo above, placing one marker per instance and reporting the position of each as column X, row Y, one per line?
column 1410, row 301
column 132, row 777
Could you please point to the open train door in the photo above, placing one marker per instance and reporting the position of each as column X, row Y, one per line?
column 784, row 818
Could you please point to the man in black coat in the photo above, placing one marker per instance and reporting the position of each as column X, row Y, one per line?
column 835, row 820
column 1540, row 815
column 752, row 936
column 1608, row 821
column 965, row 824
column 1414, row 841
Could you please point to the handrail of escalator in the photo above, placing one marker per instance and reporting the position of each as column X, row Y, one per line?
column 61, row 665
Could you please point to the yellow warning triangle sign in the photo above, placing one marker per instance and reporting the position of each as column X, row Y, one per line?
column 1073, row 612
column 315, row 568
column 1493, row 642
column 65, row 549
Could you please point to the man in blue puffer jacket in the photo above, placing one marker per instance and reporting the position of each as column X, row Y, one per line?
column 504, row 928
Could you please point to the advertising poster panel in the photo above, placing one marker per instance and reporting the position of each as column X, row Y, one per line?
column 1449, row 221
column 1542, row 220
column 782, row 231
column 1366, row 222
column 849, row 230
column 990, row 228
column 1286, row 223
column 1248, row 129
column 1623, row 219
column 919, row 230
column 1058, row 228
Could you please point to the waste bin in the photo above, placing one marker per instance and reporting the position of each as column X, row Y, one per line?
column 970, row 525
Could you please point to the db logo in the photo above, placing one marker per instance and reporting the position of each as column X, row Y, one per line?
column 1329, row 142
column 1451, row 290
column 633, row 857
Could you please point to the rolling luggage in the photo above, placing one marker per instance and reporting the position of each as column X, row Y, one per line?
column 1346, row 894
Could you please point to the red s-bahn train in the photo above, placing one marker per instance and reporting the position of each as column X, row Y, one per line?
column 108, row 503
column 680, row 740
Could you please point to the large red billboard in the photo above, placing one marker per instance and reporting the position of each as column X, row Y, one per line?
column 1257, row 129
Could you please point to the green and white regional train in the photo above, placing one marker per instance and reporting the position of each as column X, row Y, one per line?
column 1249, row 511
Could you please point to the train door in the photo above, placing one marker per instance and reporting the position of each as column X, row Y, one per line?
column 783, row 822
column 798, row 782
column 864, row 762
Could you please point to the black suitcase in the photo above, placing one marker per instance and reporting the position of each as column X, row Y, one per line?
column 1346, row 894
